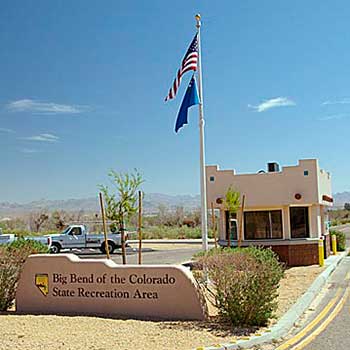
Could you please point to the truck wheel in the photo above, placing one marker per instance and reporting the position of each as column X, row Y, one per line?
column 55, row 248
column 111, row 247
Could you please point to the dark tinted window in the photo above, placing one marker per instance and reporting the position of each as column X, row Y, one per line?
column 299, row 222
column 263, row 224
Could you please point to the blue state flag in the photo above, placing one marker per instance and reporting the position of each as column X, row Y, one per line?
column 190, row 99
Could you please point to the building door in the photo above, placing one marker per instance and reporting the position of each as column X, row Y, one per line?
column 231, row 226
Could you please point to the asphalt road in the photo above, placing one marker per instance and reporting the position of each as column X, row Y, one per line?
column 153, row 255
column 336, row 335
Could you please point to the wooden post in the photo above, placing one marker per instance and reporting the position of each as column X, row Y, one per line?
column 122, row 231
column 104, row 225
column 241, row 223
column 139, row 227
column 213, row 223
column 229, row 230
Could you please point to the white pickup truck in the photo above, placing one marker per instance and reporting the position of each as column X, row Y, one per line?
column 77, row 236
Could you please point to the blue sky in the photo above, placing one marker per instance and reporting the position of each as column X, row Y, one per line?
column 83, row 85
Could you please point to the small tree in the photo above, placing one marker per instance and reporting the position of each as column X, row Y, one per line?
column 36, row 220
column 179, row 216
column 347, row 206
column 121, row 202
column 231, row 204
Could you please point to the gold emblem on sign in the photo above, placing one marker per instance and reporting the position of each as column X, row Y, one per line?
column 42, row 282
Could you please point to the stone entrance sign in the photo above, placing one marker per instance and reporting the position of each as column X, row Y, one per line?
column 66, row 284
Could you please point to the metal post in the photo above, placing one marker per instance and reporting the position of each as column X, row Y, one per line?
column 201, row 147
column 320, row 252
column 334, row 244
column 139, row 227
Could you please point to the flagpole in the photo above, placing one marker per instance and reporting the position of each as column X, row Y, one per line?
column 201, row 142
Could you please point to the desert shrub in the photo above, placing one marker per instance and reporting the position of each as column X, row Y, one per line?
column 183, row 232
column 17, row 232
column 26, row 247
column 243, row 283
column 341, row 240
column 23, row 233
column 211, row 251
column 335, row 222
column 12, row 258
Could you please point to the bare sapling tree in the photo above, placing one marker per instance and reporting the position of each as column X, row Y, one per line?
column 231, row 204
column 36, row 220
column 121, row 201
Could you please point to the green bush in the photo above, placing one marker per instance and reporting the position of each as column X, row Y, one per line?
column 244, row 283
column 12, row 258
column 341, row 239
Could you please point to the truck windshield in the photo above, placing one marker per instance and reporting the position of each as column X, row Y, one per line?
column 65, row 231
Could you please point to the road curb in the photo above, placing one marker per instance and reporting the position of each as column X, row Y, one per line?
column 284, row 325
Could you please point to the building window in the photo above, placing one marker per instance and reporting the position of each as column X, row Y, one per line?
column 299, row 222
column 263, row 225
column 211, row 178
column 306, row 172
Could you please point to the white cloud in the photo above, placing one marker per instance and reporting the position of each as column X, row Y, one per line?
column 42, row 138
column 27, row 105
column 273, row 103
column 342, row 101
column 9, row 131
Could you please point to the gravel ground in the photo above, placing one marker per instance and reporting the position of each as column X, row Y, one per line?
column 297, row 280
column 61, row 332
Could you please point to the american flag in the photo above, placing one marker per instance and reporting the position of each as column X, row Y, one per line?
column 188, row 63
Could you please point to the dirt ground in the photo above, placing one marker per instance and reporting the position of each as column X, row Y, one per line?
column 61, row 332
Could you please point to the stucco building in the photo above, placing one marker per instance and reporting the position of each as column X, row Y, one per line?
column 285, row 209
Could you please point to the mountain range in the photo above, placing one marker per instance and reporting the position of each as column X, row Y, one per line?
column 151, row 204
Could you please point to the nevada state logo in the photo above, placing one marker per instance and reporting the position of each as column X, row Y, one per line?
column 42, row 282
